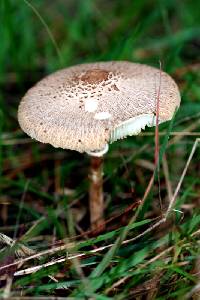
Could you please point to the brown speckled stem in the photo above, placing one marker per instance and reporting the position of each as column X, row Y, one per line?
column 96, row 201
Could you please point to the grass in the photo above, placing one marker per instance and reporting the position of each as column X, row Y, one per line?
column 43, row 196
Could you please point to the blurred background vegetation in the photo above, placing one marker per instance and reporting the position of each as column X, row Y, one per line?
column 40, row 186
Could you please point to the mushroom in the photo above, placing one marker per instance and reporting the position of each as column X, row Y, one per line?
column 88, row 106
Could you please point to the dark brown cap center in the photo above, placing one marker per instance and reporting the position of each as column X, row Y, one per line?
column 94, row 76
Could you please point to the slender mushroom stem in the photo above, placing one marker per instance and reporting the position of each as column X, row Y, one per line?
column 96, row 199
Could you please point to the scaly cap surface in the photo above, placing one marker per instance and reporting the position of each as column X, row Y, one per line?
column 84, row 107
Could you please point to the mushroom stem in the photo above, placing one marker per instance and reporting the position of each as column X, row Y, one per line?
column 96, row 201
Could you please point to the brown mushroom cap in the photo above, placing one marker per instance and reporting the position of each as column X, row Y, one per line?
column 87, row 106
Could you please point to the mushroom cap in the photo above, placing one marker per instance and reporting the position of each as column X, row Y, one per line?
column 86, row 106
